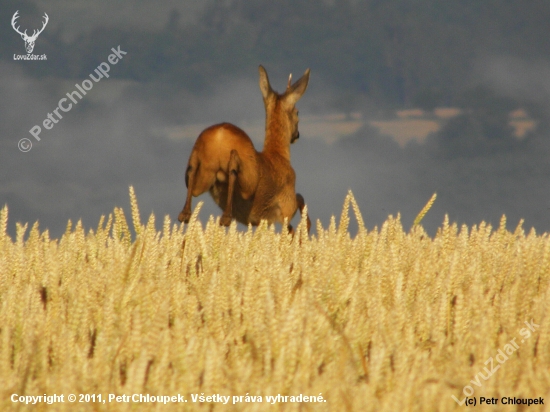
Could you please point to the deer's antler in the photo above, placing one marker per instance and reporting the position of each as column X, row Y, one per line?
column 13, row 22
column 35, row 32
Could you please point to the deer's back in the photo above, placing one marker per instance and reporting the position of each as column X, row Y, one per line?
column 216, row 142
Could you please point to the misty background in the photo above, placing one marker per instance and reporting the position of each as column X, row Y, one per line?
column 375, row 65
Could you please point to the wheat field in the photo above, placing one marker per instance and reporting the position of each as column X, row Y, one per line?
column 387, row 320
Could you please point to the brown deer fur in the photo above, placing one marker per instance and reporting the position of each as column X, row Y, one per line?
column 250, row 185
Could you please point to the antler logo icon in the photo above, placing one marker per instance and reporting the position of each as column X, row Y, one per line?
column 29, row 40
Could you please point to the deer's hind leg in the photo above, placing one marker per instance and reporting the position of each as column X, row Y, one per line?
column 233, row 169
column 197, row 181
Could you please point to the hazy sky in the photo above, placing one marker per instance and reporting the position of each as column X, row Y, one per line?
column 117, row 136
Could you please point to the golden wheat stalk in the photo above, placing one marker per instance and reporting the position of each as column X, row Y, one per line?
column 424, row 210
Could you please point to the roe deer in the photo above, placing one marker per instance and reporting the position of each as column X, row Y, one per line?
column 247, row 184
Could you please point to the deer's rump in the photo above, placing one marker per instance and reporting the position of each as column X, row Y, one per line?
column 210, row 157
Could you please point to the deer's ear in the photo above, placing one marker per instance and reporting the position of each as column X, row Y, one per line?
column 265, row 87
column 294, row 92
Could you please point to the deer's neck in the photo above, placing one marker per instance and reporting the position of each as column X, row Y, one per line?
column 277, row 138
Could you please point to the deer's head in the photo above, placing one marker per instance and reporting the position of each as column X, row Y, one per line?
column 29, row 40
column 281, row 108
